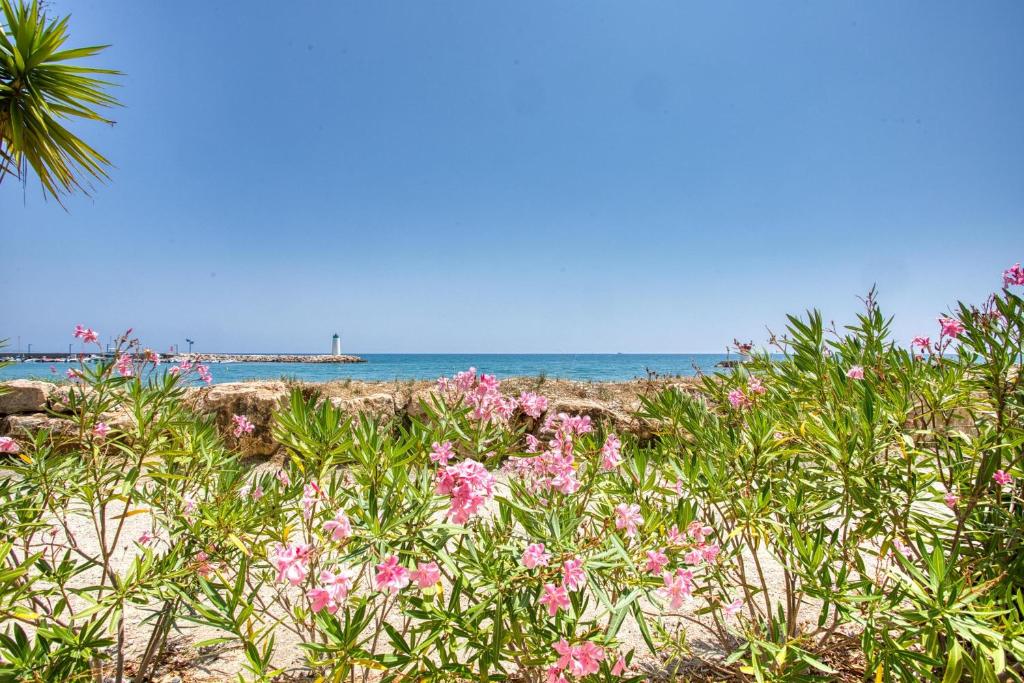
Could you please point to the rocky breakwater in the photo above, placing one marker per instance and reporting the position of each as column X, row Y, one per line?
column 272, row 358
column 33, row 405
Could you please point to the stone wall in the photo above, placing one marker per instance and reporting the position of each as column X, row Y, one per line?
column 30, row 405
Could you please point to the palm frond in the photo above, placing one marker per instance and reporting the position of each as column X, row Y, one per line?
column 40, row 85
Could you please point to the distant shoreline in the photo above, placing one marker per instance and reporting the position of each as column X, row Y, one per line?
column 196, row 357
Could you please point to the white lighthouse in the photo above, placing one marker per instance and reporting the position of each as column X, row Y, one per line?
column 336, row 345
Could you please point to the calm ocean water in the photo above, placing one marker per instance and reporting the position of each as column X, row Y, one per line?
column 391, row 366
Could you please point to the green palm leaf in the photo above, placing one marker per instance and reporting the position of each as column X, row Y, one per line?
column 38, row 89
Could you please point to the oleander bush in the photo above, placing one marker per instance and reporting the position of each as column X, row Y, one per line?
column 839, row 508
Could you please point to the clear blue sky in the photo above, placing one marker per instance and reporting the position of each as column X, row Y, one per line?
column 528, row 176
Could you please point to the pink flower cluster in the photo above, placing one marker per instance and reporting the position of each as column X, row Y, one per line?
column 391, row 575
column 86, row 334
column 292, row 562
column 611, row 453
column 535, row 555
column 310, row 495
column 426, row 575
column 332, row 590
column 242, row 425
column 1002, row 478
column 555, row 467
column 739, row 399
column 469, row 485
column 950, row 327
column 204, row 373
column 577, row 660
column 678, row 587
column 574, row 577
column 125, row 365
column 1014, row 275
column 533, row 405
column 627, row 518
column 339, row 528
column 855, row 372
column 481, row 393
column 8, row 445
column 441, row 453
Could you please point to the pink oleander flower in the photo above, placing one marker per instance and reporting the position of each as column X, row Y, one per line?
column 482, row 394
column 125, row 365
column 950, row 327
column 86, row 334
column 627, row 516
column 921, row 342
column 145, row 538
column 151, row 356
column 611, row 455
column 282, row 478
column 535, row 556
column 901, row 547
column 72, row 374
column 441, row 453
column 733, row 608
column 554, row 598
column 1014, row 275
column 675, row 536
column 710, row 552
column 569, row 424
column 574, row 577
column 532, row 443
column 678, row 587
column 555, row 675
column 856, row 372
column 391, row 576
column 242, row 425
column 204, row 373
column 578, row 660
column 698, row 532
column 533, row 404
column 754, row 385
column 310, row 495
column 101, row 430
column 469, row 486
column 738, row 399
column 620, row 666
column 1002, row 478
column 257, row 491
column 203, row 566
column 426, row 575
column 247, row 491
column 292, row 562
column 656, row 561
column 188, row 506
column 693, row 557
column 332, row 591
column 551, row 469
column 53, row 369
column 339, row 528
column 8, row 445
column 951, row 500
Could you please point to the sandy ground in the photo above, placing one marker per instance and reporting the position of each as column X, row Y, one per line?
column 184, row 662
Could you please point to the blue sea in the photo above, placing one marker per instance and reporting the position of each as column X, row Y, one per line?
column 401, row 366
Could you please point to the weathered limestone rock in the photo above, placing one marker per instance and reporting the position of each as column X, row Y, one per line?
column 413, row 406
column 609, row 413
column 24, row 396
column 377, row 406
column 257, row 401
column 20, row 426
